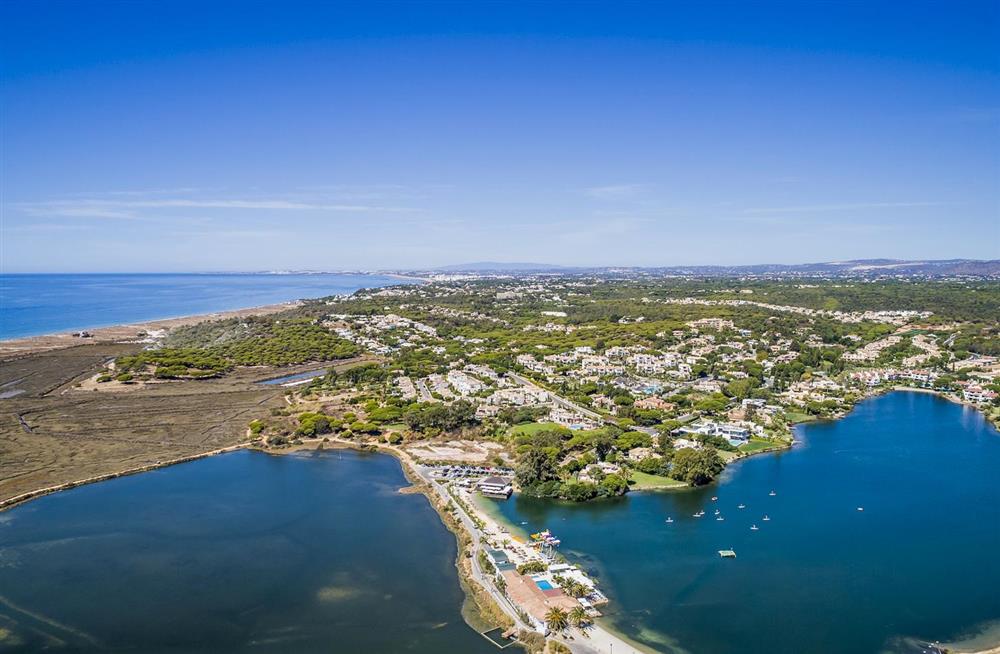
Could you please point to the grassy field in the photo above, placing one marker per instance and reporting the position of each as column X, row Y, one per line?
column 799, row 417
column 645, row 481
column 756, row 446
column 530, row 428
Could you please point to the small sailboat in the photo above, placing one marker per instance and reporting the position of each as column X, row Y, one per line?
column 720, row 518
column 717, row 512
column 695, row 515
column 772, row 493
column 754, row 528
column 715, row 499
column 670, row 519
column 742, row 506
column 766, row 518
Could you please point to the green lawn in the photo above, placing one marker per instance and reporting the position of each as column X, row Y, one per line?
column 645, row 481
column 799, row 417
column 756, row 445
column 530, row 428
column 396, row 426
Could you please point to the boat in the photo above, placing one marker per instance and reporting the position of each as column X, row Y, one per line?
column 766, row 518
column 715, row 499
column 727, row 554
column 861, row 508
column 720, row 518
column 772, row 493
column 717, row 512
column 670, row 519
column 742, row 506
column 754, row 528
column 696, row 515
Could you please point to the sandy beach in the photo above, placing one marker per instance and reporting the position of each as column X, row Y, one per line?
column 126, row 332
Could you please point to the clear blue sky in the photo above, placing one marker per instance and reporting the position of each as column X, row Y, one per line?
column 172, row 136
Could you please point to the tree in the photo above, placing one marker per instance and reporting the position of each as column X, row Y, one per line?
column 578, row 616
column 613, row 485
column 696, row 467
column 535, row 467
column 577, row 491
column 633, row 439
column 557, row 619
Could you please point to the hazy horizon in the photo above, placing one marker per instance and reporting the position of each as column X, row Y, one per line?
column 145, row 137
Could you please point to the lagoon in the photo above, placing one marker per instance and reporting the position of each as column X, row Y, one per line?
column 242, row 552
column 820, row 576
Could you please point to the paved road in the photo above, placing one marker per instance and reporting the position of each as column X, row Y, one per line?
column 480, row 577
column 561, row 401
column 425, row 394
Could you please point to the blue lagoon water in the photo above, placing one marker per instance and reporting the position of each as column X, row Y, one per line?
column 820, row 577
column 31, row 305
column 243, row 552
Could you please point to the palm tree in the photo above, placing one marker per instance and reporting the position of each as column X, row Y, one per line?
column 556, row 619
column 578, row 616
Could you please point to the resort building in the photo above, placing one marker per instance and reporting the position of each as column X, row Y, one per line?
column 977, row 394
column 495, row 487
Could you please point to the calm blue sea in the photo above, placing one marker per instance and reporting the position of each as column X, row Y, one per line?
column 31, row 305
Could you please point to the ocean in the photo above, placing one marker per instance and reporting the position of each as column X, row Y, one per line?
column 32, row 305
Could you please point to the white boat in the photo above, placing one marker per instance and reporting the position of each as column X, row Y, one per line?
column 696, row 515
column 715, row 499
column 753, row 528
column 861, row 508
column 720, row 518
column 670, row 519
column 772, row 493
column 766, row 518
column 717, row 512
column 742, row 506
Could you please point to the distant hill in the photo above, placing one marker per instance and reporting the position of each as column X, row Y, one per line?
column 499, row 266
column 852, row 268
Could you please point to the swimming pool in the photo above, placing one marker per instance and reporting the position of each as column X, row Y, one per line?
column 544, row 584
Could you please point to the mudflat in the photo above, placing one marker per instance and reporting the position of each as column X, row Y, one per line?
column 57, row 427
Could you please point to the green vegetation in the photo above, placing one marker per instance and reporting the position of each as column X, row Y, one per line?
column 557, row 619
column 531, row 567
column 645, row 481
column 212, row 348
column 176, row 363
column 697, row 467
column 532, row 428
column 650, row 355
column 756, row 445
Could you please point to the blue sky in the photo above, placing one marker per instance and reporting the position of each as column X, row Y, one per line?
column 247, row 136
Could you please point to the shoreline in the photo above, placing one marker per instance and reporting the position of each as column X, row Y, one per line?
column 32, row 344
column 25, row 345
column 17, row 500
column 600, row 638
